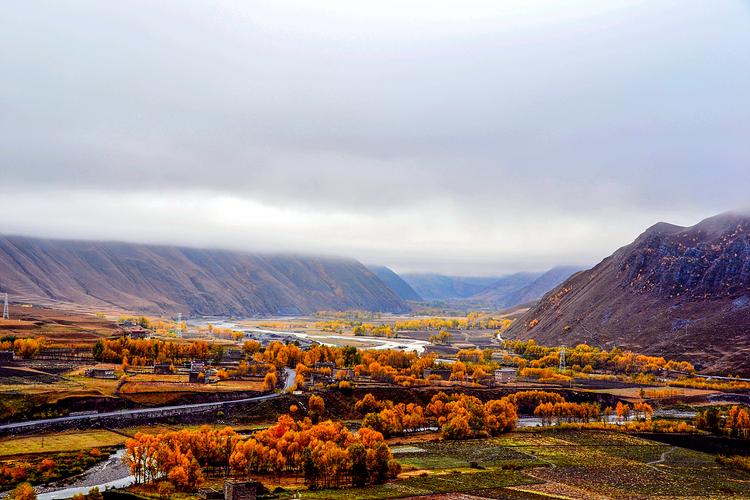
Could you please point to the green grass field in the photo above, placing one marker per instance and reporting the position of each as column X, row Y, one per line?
column 589, row 464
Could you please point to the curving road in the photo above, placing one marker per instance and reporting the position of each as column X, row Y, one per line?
column 158, row 411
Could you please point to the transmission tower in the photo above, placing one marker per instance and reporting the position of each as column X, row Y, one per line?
column 6, row 315
column 562, row 367
column 179, row 324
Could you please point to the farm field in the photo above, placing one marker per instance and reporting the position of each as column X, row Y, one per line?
column 558, row 463
column 58, row 442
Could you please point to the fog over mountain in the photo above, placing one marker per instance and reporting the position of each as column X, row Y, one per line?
column 430, row 136
column 170, row 279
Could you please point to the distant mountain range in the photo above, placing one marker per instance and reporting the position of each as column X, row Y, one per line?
column 502, row 291
column 440, row 287
column 523, row 288
column 681, row 292
column 170, row 279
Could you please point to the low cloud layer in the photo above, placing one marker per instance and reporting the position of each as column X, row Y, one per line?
column 471, row 139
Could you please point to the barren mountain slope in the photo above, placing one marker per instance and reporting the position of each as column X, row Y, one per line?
column 675, row 291
column 394, row 282
column 170, row 279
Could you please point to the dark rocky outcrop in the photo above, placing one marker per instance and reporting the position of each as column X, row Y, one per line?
column 675, row 291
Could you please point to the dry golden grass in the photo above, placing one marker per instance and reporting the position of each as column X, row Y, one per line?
column 137, row 387
column 153, row 377
column 63, row 441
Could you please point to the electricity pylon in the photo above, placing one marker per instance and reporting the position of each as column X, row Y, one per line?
column 562, row 367
column 6, row 314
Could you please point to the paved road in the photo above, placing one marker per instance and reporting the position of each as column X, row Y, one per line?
column 161, row 410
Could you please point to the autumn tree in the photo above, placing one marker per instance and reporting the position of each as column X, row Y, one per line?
column 311, row 470
column 269, row 381
column 527, row 401
column 316, row 407
column 23, row 491
column 95, row 494
column 500, row 416
column 622, row 410
column 358, row 458
column 27, row 348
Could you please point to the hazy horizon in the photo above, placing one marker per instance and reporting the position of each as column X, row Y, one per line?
column 474, row 140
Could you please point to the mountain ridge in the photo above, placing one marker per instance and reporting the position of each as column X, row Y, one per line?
column 504, row 296
column 682, row 292
column 394, row 282
column 166, row 279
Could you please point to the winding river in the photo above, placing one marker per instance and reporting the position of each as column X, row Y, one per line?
column 378, row 343
column 111, row 473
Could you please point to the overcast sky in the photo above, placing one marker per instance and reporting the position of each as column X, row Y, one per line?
column 463, row 137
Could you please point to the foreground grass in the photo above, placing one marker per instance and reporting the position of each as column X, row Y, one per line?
column 455, row 481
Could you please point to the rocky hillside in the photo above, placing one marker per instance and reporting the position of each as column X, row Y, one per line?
column 168, row 279
column 675, row 291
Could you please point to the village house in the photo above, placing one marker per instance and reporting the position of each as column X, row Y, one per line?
column 240, row 490
column 138, row 333
column 505, row 375
column 101, row 372
column 163, row 369
column 232, row 357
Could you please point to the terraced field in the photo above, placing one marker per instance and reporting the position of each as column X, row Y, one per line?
column 569, row 463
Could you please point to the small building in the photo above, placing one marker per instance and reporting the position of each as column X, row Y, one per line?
column 442, row 373
column 197, row 366
column 163, row 369
column 107, row 373
column 6, row 357
column 138, row 333
column 232, row 356
column 240, row 490
column 505, row 375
